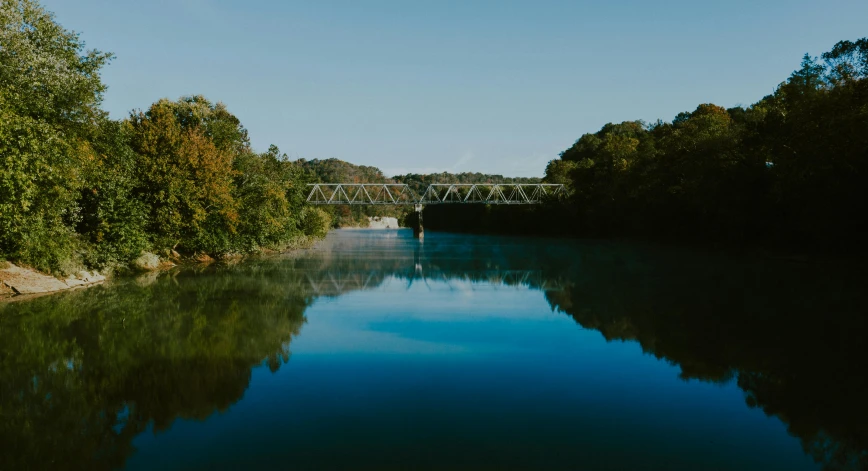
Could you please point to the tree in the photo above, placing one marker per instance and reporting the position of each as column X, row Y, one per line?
column 848, row 61
column 270, row 191
column 185, row 178
column 112, row 218
column 50, row 91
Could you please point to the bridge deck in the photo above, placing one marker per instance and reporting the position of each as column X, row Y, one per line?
column 438, row 193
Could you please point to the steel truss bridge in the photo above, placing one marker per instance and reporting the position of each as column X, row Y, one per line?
column 438, row 193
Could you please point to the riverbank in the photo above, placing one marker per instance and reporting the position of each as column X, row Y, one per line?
column 15, row 281
column 21, row 282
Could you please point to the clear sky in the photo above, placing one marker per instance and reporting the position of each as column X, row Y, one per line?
column 420, row 86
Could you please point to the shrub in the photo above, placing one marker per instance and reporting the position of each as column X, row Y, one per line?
column 316, row 222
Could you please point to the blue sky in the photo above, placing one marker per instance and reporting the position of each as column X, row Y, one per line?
column 421, row 86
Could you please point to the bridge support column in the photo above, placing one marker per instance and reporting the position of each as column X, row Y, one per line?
column 418, row 231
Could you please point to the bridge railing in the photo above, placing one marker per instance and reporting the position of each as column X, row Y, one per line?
column 437, row 193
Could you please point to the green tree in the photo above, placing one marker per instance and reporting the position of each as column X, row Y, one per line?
column 50, row 91
column 601, row 165
column 271, row 192
column 113, row 220
column 185, row 178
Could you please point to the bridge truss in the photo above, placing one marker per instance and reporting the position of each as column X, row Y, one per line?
column 438, row 193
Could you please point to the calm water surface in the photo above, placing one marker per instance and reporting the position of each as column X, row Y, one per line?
column 375, row 351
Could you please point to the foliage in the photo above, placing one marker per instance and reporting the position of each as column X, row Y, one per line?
column 185, row 178
column 46, row 73
column 786, row 170
column 50, row 91
column 338, row 171
column 316, row 222
column 559, row 171
column 77, row 188
column 419, row 182
column 269, row 189
column 113, row 219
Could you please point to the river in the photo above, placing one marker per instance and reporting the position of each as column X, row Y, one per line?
column 376, row 351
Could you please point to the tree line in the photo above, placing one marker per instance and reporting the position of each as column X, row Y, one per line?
column 788, row 170
column 78, row 189
column 419, row 182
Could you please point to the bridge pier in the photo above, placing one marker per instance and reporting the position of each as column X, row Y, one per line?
column 418, row 230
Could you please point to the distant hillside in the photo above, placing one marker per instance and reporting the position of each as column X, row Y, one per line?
column 419, row 182
column 338, row 171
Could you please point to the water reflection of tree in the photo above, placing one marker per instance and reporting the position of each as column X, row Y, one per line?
column 793, row 335
column 82, row 373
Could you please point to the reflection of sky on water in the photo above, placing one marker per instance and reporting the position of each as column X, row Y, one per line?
column 421, row 320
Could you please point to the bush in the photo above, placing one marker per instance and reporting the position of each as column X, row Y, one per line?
column 316, row 222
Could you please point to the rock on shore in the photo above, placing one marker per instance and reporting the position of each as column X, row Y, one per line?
column 17, row 280
column 378, row 222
